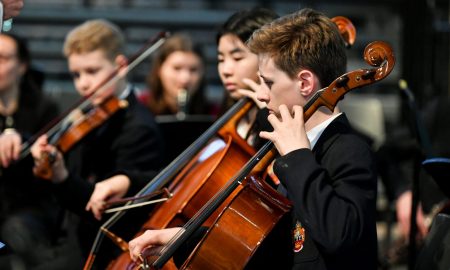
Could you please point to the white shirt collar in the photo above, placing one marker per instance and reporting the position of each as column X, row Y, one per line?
column 315, row 132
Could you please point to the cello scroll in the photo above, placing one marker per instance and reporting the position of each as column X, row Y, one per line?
column 346, row 29
column 377, row 54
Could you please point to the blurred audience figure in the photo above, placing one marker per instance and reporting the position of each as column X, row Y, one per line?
column 399, row 162
column 28, row 212
column 176, row 81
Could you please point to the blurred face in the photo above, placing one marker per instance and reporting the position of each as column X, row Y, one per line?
column 89, row 70
column 235, row 62
column 278, row 88
column 11, row 70
column 181, row 70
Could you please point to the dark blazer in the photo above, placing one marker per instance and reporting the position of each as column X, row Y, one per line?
column 333, row 190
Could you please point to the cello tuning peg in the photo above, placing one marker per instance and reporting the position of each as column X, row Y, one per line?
column 342, row 81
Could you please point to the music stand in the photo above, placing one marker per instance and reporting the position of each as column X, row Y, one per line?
column 439, row 170
column 180, row 132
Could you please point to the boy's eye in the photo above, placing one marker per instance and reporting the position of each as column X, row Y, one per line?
column 92, row 70
column 269, row 83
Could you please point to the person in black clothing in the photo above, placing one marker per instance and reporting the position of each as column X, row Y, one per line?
column 399, row 159
column 120, row 156
column 28, row 213
column 325, row 169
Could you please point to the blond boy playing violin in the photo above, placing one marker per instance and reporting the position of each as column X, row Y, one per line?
column 119, row 157
column 324, row 168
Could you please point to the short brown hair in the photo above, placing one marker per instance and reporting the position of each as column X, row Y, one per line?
column 95, row 35
column 306, row 39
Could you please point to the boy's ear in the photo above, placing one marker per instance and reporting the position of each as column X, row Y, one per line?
column 307, row 82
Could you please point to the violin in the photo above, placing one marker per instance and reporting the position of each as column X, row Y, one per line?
column 256, row 208
column 194, row 176
column 84, row 116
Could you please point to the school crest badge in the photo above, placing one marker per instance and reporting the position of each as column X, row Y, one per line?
column 298, row 236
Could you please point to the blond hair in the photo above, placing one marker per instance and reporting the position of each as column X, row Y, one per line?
column 95, row 35
column 306, row 39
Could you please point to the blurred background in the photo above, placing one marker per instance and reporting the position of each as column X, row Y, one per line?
column 417, row 30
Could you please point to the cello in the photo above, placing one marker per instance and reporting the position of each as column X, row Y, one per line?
column 256, row 208
column 195, row 184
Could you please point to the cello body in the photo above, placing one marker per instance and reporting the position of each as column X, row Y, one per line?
column 242, row 228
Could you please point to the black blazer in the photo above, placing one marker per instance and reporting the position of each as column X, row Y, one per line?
column 333, row 189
